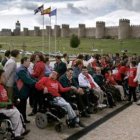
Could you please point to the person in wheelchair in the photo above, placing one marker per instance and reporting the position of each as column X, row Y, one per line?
column 10, row 111
column 77, row 95
column 86, row 81
column 52, row 86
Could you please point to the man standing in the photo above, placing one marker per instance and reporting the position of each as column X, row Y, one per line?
column 10, row 72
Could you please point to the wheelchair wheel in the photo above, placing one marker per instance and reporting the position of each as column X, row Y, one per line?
column 41, row 120
column 59, row 127
column 7, row 136
column 5, row 131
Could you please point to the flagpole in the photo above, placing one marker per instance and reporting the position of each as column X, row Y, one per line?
column 56, row 32
column 50, row 36
column 43, row 36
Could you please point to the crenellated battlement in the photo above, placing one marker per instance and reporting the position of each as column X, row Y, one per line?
column 124, row 20
column 123, row 31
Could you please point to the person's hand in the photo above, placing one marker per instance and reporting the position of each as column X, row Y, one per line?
column 73, row 88
column 17, row 101
column 134, row 80
column 45, row 90
column 80, row 91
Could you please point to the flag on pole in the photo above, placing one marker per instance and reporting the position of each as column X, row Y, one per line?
column 46, row 11
column 53, row 13
column 39, row 9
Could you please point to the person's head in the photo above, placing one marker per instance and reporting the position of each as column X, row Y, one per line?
column 15, row 53
column 39, row 57
column 47, row 61
column 80, row 56
column 25, row 61
column 65, row 55
column 2, row 77
column 53, row 75
column 133, row 64
column 7, row 53
column 109, row 71
column 79, row 63
column 84, row 70
column 69, row 72
column 58, row 59
column 32, row 58
column 98, row 70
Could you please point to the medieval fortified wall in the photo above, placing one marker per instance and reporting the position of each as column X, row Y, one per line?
column 123, row 31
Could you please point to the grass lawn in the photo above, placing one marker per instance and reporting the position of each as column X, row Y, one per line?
column 86, row 46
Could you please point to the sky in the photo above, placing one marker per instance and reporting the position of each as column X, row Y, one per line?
column 72, row 12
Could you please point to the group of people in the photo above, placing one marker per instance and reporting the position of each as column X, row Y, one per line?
column 90, row 82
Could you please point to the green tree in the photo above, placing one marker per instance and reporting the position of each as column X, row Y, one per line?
column 74, row 41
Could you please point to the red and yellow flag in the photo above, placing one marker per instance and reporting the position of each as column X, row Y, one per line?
column 46, row 11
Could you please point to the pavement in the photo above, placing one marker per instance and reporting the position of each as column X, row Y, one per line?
column 123, row 126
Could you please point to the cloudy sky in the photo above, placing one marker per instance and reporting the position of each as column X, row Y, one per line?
column 70, row 12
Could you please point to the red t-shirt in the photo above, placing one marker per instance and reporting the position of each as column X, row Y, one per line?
column 3, row 94
column 132, row 75
column 110, row 78
column 121, row 70
column 39, row 70
column 53, row 86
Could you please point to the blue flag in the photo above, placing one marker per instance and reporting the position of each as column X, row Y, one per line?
column 53, row 13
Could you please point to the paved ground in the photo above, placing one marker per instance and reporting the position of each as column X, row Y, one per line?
column 50, row 134
column 124, row 126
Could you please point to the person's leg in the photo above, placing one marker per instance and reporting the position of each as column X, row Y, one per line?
column 134, row 94
column 10, row 93
column 120, row 88
column 22, row 108
column 130, row 93
column 100, row 94
column 62, row 103
column 15, row 118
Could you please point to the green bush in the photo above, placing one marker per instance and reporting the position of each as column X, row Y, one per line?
column 74, row 41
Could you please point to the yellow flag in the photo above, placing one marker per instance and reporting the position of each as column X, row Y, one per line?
column 46, row 11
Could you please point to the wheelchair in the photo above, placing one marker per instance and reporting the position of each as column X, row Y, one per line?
column 51, row 113
column 6, row 129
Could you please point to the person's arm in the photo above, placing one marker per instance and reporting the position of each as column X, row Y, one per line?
column 138, row 73
column 9, row 69
column 61, row 89
column 40, row 85
column 63, row 82
column 26, row 78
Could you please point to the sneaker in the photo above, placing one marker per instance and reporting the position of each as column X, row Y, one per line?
column 81, row 124
column 31, row 114
column 85, row 114
column 103, row 105
column 26, row 132
column 19, row 138
column 27, row 121
column 138, row 102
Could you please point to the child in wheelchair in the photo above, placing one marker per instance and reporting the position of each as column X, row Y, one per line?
column 53, row 87
column 10, row 114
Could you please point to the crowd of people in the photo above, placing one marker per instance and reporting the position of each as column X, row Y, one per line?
column 91, row 82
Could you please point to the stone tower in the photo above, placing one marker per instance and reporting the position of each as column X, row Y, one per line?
column 57, row 31
column 81, row 30
column 100, row 29
column 124, row 29
column 17, row 29
column 65, row 31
